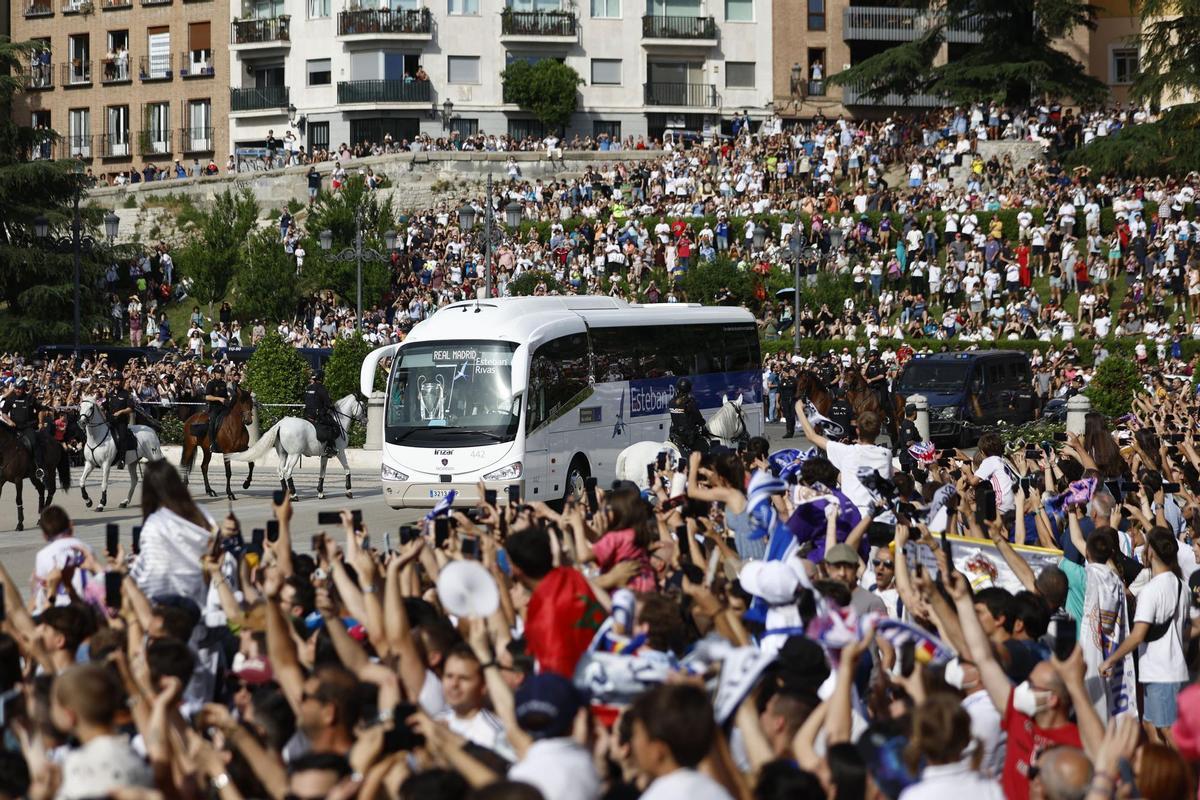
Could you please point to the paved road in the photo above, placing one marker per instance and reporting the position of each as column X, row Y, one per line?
column 253, row 507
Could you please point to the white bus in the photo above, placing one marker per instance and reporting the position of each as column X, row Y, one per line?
column 546, row 391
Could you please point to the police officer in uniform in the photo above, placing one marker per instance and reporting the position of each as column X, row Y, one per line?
column 787, row 398
column 908, row 435
column 119, row 407
column 22, row 411
column 687, row 423
column 876, row 375
column 318, row 409
column 216, row 394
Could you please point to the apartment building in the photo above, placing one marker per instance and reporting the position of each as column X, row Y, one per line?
column 357, row 73
column 126, row 82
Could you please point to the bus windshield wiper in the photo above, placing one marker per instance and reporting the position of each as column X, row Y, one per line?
column 494, row 437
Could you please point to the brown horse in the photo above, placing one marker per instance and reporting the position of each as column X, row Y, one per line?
column 862, row 397
column 810, row 387
column 233, row 436
column 17, row 465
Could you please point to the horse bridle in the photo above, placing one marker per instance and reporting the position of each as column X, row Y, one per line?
column 742, row 429
column 339, row 414
column 88, row 424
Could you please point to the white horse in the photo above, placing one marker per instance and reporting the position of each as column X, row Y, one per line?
column 100, row 451
column 293, row 437
column 728, row 426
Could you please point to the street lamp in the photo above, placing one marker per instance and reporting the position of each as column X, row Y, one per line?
column 76, row 243
column 447, row 113
column 759, row 237
column 358, row 254
column 514, row 212
column 489, row 237
column 812, row 254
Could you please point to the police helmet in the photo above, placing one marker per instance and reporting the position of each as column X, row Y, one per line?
column 217, row 369
column 22, row 383
column 683, row 385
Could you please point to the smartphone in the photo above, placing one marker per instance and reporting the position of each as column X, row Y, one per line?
column 1060, row 436
column 3, row 608
column 489, row 497
column 1176, row 437
column 650, row 473
column 407, row 534
column 681, row 537
column 401, row 737
column 137, row 539
column 387, row 541
column 441, row 532
column 1032, row 453
column 272, row 530
column 1170, row 488
column 908, row 658
column 112, row 539
column 661, row 463
column 589, row 488
column 356, row 517
column 256, row 541
column 329, row 518
column 470, row 547
column 1064, row 636
column 112, row 590
column 948, row 549
column 318, row 543
column 277, row 497
column 514, row 494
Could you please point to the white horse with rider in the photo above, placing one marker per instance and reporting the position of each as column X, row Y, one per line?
column 726, row 427
column 294, row 437
column 101, row 446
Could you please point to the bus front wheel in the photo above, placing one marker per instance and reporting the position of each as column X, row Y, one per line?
column 577, row 473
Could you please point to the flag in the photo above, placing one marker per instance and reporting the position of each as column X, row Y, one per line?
column 807, row 523
column 821, row 423
column 782, row 458
column 562, row 620
column 763, row 487
column 929, row 649
column 923, row 452
column 443, row 505
column 1104, row 626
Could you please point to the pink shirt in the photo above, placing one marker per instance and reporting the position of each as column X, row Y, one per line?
column 617, row 546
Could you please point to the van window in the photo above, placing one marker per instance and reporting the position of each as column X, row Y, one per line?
column 995, row 374
column 929, row 375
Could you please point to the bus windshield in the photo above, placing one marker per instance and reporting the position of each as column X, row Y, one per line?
column 933, row 375
column 452, row 394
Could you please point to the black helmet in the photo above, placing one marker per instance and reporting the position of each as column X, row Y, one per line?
column 22, row 383
column 217, row 368
column 683, row 386
column 319, row 375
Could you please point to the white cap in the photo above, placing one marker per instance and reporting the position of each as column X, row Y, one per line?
column 775, row 582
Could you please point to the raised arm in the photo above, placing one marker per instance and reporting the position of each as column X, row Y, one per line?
column 810, row 432
column 990, row 672
column 281, row 649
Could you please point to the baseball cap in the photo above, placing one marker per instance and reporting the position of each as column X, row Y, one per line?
column 253, row 671
column 773, row 581
column 841, row 553
column 546, row 705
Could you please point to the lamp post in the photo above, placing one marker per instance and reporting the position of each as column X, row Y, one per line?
column 76, row 243
column 811, row 254
column 358, row 254
column 489, row 236
column 759, row 237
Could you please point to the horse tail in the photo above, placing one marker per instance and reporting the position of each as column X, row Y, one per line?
column 64, row 470
column 262, row 447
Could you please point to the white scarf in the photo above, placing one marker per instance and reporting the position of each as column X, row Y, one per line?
column 1105, row 625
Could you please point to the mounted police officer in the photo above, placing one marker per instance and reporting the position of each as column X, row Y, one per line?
column 687, row 423
column 876, row 375
column 318, row 409
column 216, row 394
column 22, row 411
column 119, row 408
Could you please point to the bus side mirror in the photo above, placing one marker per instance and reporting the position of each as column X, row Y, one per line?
column 520, row 370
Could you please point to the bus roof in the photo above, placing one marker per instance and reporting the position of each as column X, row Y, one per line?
column 517, row 319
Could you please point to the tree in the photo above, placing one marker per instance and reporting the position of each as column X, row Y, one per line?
column 1113, row 386
column 548, row 88
column 1015, row 60
column 342, row 368
column 276, row 373
column 1169, row 60
column 1168, row 146
column 335, row 212
column 212, row 258
column 266, row 286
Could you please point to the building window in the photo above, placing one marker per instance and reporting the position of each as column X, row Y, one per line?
column 318, row 9
column 816, row 15
column 520, row 129
column 606, row 9
column 606, row 72
column 198, row 138
column 318, row 136
column 462, row 69
column 156, row 129
column 200, row 48
column 610, row 129
column 464, row 127
column 79, row 141
column 158, row 43
column 320, row 73
column 116, row 129
column 1124, row 65
column 739, row 10
column 464, row 8
column 739, row 74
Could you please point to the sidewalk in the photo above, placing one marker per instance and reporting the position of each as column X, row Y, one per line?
column 359, row 460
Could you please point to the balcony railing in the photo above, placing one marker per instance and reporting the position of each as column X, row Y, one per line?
column 197, row 64
column 115, row 145
column 892, row 24
column 42, row 9
column 262, row 31
column 156, row 2
column 258, row 99
column 384, row 91
column 77, row 146
column 115, row 70
column 112, row 5
column 365, row 20
column 700, row 95
column 537, row 23
column 154, row 142
column 155, row 68
column 77, row 73
column 197, row 140
column 39, row 76
column 654, row 27
column 856, row 96
column 816, row 88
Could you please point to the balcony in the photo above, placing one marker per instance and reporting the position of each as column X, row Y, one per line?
column 550, row 27
column 271, row 33
column 264, row 98
column 891, row 24
column 156, row 2
column 115, row 145
column 197, row 140
column 79, row 145
column 385, row 92
column 196, row 64
column 856, row 96
column 687, row 31
column 77, row 7
column 154, row 142
column 39, row 9
column 115, row 5
column 77, row 73
column 39, row 76
column 155, row 68
column 690, row 95
column 115, row 70
column 399, row 25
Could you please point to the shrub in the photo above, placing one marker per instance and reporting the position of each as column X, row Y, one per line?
column 342, row 368
column 1113, row 387
column 528, row 281
column 276, row 373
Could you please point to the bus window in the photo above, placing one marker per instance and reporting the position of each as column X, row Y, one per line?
column 741, row 349
column 615, row 353
column 558, row 373
column 709, row 344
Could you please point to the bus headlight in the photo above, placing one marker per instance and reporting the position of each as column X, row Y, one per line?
column 391, row 474
column 508, row 473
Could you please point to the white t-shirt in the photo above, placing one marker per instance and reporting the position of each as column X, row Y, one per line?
column 993, row 469
column 985, row 726
column 1164, row 598
column 848, row 458
column 483, row 728
column 560, row 769
column 685, row 783
column 52, row 556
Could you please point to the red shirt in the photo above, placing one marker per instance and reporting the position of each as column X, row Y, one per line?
column 1026, row 742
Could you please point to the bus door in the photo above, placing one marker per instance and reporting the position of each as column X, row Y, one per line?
column 558, row 384
column 603, row 421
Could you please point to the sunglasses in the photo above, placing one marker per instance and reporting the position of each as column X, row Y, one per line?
column 889, row 564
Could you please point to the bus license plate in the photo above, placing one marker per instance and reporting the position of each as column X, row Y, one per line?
column 438, row 492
